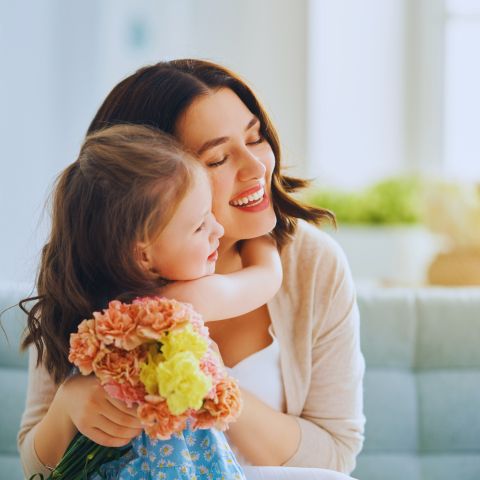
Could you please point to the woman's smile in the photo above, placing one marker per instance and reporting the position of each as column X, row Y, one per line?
column 240, row 162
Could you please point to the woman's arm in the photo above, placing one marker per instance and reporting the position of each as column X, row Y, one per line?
column 263, row 435
column 329, row 432
column 217, row 297
column 322, row 329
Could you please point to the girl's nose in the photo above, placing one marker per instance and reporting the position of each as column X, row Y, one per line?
column 217, row 228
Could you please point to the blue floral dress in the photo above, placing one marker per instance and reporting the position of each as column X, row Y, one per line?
column 190, row 455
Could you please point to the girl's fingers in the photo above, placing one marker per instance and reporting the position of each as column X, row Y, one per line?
column 131, row 411
column 120, row 416
column 106, row 440
column 114, row 429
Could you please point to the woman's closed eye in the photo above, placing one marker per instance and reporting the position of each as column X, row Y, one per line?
column 218, row 162
column 257, row 141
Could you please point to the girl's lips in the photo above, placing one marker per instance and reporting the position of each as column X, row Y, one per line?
column 213, row 256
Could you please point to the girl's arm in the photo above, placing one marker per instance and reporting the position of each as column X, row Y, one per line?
column 217, row 297
column 54, row 414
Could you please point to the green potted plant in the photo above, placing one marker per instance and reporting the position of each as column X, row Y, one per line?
column 380, row 229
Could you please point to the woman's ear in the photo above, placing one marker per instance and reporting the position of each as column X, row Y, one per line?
column 143, row 257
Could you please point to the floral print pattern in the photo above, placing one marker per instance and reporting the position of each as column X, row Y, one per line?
column 189, row 455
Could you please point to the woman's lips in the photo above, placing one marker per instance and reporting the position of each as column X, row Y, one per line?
column 257, row 189
column 256, row 206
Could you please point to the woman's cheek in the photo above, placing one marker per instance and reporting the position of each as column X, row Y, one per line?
column 222, row 192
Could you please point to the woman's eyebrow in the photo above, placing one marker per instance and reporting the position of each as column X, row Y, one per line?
column 211, row 144
column 251, row 123
column 218, row 141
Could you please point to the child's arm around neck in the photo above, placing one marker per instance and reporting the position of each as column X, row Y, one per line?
column 218, row 297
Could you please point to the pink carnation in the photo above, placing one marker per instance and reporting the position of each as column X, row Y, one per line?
column 209, row 365
column 84, row 347
column 158, row 421
column 117, row 325
column 125, row 392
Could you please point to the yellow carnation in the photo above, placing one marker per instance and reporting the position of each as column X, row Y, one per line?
column 182, row 383
column 148, row 370
column 184, row 340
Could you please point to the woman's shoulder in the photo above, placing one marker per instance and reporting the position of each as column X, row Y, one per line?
column 312, row 248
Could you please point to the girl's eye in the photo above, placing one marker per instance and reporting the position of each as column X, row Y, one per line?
column 200, row 228
column 217, row 164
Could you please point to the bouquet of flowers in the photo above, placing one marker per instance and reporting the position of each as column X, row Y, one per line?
column 154, row 353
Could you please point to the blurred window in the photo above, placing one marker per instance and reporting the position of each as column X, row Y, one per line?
column 462, row 89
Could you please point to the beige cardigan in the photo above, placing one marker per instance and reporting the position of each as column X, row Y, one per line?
column 316, row 321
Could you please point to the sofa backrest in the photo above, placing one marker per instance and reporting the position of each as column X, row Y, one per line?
column 422, row 384
column 13, row 377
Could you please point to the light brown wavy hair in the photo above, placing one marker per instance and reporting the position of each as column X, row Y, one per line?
column 157, row 95
column 103, row 204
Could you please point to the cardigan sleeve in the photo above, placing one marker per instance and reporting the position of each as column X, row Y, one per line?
column 332, row 420
column 40, row 392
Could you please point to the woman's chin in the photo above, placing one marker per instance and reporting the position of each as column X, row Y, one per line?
column 254, row 228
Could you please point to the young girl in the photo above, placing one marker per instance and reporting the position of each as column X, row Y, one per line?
column 132, row 217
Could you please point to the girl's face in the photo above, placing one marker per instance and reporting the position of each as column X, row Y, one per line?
column 225, row 135
column 186, row 248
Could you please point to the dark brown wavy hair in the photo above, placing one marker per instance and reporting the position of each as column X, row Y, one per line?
column 157, row 95
column 124, row 187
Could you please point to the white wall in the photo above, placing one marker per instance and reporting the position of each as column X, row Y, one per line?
column 61, row 57
column 357, row 117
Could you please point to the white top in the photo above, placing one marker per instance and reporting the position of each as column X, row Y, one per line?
column 260, row 373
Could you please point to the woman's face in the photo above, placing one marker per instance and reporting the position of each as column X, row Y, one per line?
column 225, row 135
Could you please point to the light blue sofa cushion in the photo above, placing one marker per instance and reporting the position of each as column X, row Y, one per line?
column 388, row 329
column 449, row 411
column 422, row 385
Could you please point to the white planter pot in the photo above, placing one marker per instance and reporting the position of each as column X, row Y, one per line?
column 393, row 255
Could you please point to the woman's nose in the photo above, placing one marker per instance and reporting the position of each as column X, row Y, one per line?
column 251, row 167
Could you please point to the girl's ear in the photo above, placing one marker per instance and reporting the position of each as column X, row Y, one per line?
column 143, row 257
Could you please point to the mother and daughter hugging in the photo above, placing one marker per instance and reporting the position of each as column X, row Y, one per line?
column 178, row 192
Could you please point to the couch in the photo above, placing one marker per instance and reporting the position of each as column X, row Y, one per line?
column 422, row 383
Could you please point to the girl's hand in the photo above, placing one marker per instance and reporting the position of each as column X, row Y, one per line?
column 256, row 251
column 99, row 417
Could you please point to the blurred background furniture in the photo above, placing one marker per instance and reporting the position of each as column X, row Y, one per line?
column 422, row 384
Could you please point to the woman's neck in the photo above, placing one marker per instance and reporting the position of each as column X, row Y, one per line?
column 229, row 259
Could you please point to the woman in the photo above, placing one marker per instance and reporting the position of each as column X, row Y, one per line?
column 297, row 358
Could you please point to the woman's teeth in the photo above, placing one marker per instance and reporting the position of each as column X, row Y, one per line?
column 254, row 197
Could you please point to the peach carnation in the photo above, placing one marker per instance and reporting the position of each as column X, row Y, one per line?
column 121, row 366
column 159, row 315
column 157, row 419
column 117, row 325
column 226, row 406
column 84, row 347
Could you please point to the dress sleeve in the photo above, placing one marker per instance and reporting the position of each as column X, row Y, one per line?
column 40, row 392
column 332, row 420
